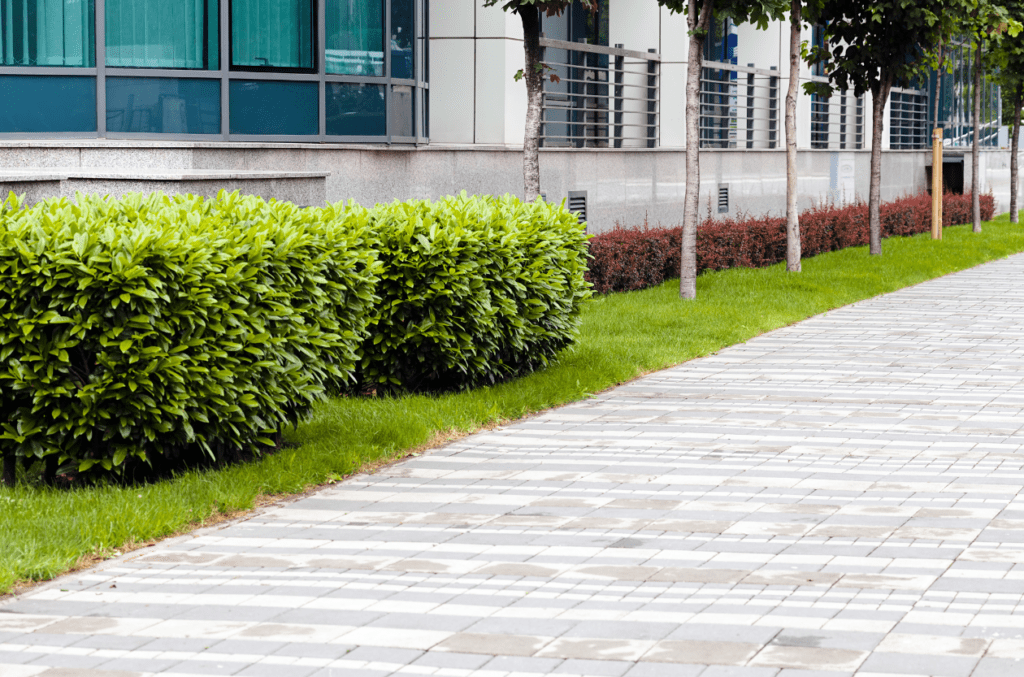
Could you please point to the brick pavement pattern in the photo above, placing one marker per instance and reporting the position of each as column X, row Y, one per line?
column 839, row 497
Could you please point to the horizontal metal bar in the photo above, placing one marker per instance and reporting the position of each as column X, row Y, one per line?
column 161, row 73
column 598, row 49
column 596, row 124
column 48, row 70
column 610, row 68
column 604, row 83
column 718, row 65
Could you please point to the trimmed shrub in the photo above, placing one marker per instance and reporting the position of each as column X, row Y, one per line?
column 172, row 330
column 473, row 291
column 636, row 258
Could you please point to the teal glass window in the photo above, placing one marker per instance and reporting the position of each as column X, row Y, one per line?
column 355, row 37
column 162, row 34
column 163, row 106
column 356, row 110
column 403, row 62
column 274, row 108
column 273, row 34
column 47, row 33
column 47, row 103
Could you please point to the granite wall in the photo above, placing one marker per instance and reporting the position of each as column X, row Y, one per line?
column 623, row 185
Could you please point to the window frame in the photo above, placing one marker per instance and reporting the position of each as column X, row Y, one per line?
column 226, row 74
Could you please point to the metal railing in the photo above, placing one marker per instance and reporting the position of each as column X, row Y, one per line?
column 908, row 119
column 837, row 122
column 739, row 106
column 605, row 97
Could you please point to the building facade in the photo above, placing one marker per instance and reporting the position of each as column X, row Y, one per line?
column 377, row 100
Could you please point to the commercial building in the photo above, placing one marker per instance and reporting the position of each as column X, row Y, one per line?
column 383, row 99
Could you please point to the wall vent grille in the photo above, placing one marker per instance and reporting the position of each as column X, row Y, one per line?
column 723, row 198
column 578, row 204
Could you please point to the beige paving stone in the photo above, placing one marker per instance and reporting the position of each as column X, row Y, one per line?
column 701, row 652
column 779, row 577
column 25, row 622
column 515, row 569
column 596, row 649
column 886, row 581
column 850, row 531
column 619, row 573
column 498, row 645
column 690, row 526
column 694, row 575
column 262, row 561
column 809, row 658
column 933, row 645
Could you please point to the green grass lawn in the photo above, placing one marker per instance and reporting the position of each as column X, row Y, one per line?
column 46, row 532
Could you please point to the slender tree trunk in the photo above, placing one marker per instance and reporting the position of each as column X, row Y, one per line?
column 698, row 18
column 50, row 470
column 976, row 145
column 530, row 17
column 878, row 99
column 1018, row 101
column 7, row 476
column 792, row 215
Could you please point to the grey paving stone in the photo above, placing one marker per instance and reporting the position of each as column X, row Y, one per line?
column 665, row 670
column 574, row 666
column 541, row 666
column 264, row 670
column 457, row 661
column 203, row 667
column 920, row 664
column 830, row 491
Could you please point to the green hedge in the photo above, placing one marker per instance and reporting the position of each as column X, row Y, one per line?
column 157, row 332
column 172, row 329
column 473, row 290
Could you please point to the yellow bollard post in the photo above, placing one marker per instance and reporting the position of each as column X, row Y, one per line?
column 937, row 183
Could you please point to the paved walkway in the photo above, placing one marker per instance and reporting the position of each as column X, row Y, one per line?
column 837, row 497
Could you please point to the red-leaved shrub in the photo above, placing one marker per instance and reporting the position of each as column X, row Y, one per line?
column 626, row 259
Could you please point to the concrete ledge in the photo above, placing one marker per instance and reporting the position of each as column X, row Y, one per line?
column 302, row 188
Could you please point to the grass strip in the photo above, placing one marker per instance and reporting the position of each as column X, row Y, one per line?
column 45, row 532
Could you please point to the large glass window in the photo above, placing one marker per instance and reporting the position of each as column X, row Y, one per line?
column 274, row 108
column 402, row 38
column 355, row 37
column 47, row 103
column 162, row 34
column 47, row 33
column 356, row 109
column 220, row 68
column 273, row 34
column 163, row 106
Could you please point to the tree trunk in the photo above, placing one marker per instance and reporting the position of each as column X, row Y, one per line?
column 878, row 99
column 976, row 144
column 7, row 476
column 698, row 23
column 792, row 215
column 1018, row 101
column 530, row 17
column 50, row 470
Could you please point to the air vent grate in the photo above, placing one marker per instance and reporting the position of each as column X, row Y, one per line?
column 723, row 198
column 578, row 204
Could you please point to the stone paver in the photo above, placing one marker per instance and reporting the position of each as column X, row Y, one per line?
column 840, row 497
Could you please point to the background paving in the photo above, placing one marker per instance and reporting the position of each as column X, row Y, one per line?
column 838, row 497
